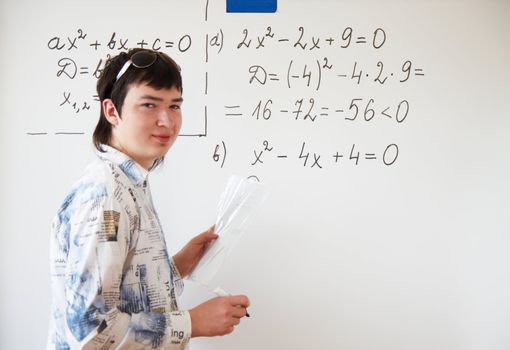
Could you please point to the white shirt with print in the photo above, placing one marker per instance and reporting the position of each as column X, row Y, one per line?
column 114, row 285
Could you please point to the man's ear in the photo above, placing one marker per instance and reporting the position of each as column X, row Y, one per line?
column 110, row 112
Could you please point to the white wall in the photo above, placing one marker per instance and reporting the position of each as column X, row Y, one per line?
column 368, row 256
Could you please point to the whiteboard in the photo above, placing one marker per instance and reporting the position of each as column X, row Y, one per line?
column 380, row 127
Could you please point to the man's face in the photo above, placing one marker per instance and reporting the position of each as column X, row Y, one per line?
column 150, row 122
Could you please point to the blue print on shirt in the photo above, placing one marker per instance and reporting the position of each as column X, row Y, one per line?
column 134, row 297
column 62, row 346
column 150, row 330
column 84, row 306
column 129, row 168
column 85, row 192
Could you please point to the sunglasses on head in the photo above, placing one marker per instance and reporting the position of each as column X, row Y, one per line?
column 140, row 59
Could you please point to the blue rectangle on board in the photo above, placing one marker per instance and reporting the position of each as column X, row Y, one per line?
column 251, row 6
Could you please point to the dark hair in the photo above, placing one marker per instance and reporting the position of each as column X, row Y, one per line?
column 164, row 73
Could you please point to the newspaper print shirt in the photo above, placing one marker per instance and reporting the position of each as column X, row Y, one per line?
column 113, row 284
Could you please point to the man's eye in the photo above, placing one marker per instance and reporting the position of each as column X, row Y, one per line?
column 148, row 105
column 177, row 107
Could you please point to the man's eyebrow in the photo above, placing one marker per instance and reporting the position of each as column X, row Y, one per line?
column 159, row 99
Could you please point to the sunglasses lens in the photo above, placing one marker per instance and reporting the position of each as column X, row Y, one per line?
column 143, row 59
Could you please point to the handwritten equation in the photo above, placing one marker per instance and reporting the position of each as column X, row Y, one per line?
column 311, row 75
column 299, row 40
column 308, row 109
column 308, row 158
column 113, row 42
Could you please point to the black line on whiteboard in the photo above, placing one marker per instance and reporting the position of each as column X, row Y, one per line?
column 205, row 117
column 36, row 133
column 204, row 134
column 206, row 81
column 253, row 177
column 69, row 133
column 206, row 48
column 206, row 9
column 191, row 135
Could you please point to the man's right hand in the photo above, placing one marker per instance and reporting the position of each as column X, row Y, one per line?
column 218, row 316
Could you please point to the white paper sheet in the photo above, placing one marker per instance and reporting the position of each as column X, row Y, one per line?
column 240, row 199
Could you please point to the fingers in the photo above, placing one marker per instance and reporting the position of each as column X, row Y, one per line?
column 235, row 307
column 239, row 300
column 239, row 313
column 206, row 236
column 240, row 304
column 236, row 321
column 218, row 316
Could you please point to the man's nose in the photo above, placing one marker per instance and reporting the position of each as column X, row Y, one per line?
column 165, row 118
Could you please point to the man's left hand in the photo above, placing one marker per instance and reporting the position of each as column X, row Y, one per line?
column 189, row 256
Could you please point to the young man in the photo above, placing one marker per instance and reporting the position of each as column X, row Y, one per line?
column 114, row 285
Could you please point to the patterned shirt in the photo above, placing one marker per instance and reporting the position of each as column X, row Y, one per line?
column 114, row 285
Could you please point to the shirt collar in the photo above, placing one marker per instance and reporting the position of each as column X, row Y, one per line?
column 134, row 171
